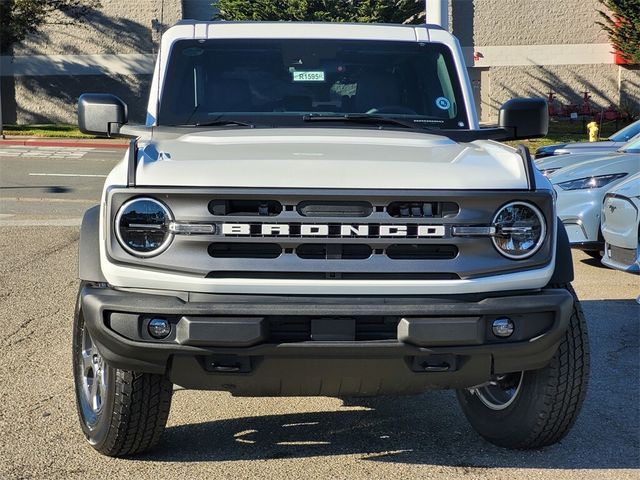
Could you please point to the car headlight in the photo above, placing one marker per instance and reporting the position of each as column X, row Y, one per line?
column 520, row 230
column 591, row 182
column 142, row 227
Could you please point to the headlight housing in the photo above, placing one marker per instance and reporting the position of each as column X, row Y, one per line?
column 520, row 230
column 142, row 227
column 591, row 182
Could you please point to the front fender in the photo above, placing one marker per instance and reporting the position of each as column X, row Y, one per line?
column 89, row 249
column 563, row 273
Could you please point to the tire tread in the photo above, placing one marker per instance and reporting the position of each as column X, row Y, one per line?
column 141, row 408
column 542, row 419
column 566, row 386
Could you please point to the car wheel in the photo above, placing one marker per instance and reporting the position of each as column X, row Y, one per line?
column 121, row 412
column 533, row 409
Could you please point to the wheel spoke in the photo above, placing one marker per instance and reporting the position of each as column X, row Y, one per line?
column 102, row 386
column 500, row 393
column 87, row 361
column 88, row 351
column 94, row 393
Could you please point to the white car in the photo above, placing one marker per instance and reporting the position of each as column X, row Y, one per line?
column 553, row 164
column 313, row 209
column 581, row 189
column 613, row 142
column 620, row 220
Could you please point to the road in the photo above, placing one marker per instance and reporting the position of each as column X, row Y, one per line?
column 50, row 185
column 213, row 435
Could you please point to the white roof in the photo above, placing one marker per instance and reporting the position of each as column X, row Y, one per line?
column 354, row 31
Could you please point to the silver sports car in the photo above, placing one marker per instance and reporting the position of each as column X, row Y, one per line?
column 620, row 226
column 581, row 189
column 612, row 143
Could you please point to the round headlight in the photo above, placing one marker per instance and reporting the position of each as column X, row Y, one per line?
column 142, row 227
column 520, row 230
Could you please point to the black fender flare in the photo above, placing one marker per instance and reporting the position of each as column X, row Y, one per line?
column 563, row 273
column 89, row 249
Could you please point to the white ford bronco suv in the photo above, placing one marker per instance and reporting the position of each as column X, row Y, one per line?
column 313, row 209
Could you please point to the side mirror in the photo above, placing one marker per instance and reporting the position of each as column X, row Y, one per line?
column 101, row 114
column 525, row 117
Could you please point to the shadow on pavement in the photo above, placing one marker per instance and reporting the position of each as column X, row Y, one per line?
column 594, row 262
column 430, row 428
column 44, row 188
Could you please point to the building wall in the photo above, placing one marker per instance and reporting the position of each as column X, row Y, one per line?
column 529, row 48
column 606, row 84
column 118, row 26
column 535, row 22
column 42, row 81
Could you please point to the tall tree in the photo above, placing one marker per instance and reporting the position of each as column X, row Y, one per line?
column 380, row 11
column 622, row 23
column 19, row 18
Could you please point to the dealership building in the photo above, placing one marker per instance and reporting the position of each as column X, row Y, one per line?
column 512, row 48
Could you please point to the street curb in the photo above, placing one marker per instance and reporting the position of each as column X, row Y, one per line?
column 32, row 142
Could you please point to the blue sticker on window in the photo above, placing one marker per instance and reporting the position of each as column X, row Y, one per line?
column 443, row 103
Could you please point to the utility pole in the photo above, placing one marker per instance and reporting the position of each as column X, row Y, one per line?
column 437, row 12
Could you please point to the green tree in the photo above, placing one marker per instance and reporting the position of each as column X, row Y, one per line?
column 366, row 11
column 622, row 23
column 19, row 18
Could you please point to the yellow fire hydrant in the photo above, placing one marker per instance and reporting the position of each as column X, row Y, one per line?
column 593, row 129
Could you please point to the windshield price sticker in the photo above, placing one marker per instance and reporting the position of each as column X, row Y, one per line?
column 308, row 76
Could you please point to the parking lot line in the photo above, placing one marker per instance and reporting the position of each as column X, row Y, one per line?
column 58, row 222
column 67, row 175
column 44, row 151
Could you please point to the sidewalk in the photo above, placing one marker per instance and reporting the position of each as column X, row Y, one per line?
column 24, row 141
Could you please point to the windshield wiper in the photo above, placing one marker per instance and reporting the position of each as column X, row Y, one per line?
column 222, row 123
column 361, row 118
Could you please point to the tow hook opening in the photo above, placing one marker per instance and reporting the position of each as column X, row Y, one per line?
column 435, row 363
column 227, row 364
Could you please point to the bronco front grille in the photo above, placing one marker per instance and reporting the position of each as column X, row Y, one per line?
column 333, row 251
column 331, row 234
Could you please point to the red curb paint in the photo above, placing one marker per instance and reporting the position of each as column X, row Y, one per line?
column 61, row 143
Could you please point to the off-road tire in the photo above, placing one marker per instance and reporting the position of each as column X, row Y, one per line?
column 134, row 410
column 549, row 400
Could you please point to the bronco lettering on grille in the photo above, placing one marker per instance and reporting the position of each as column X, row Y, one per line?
column 331, row 230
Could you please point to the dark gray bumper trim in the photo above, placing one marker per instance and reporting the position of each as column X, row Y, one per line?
column 161, row 358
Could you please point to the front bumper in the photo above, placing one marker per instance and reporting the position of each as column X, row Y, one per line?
column 620, row 228
column 272, row 345
column 579, row 211
column 619, row 258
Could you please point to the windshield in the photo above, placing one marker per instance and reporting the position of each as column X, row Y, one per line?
column 280, row 82
column 627, row 133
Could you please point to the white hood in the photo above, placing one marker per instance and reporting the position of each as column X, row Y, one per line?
column 328, row 158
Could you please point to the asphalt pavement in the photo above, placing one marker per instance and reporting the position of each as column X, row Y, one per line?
column 51, row 185
column 214, row 435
